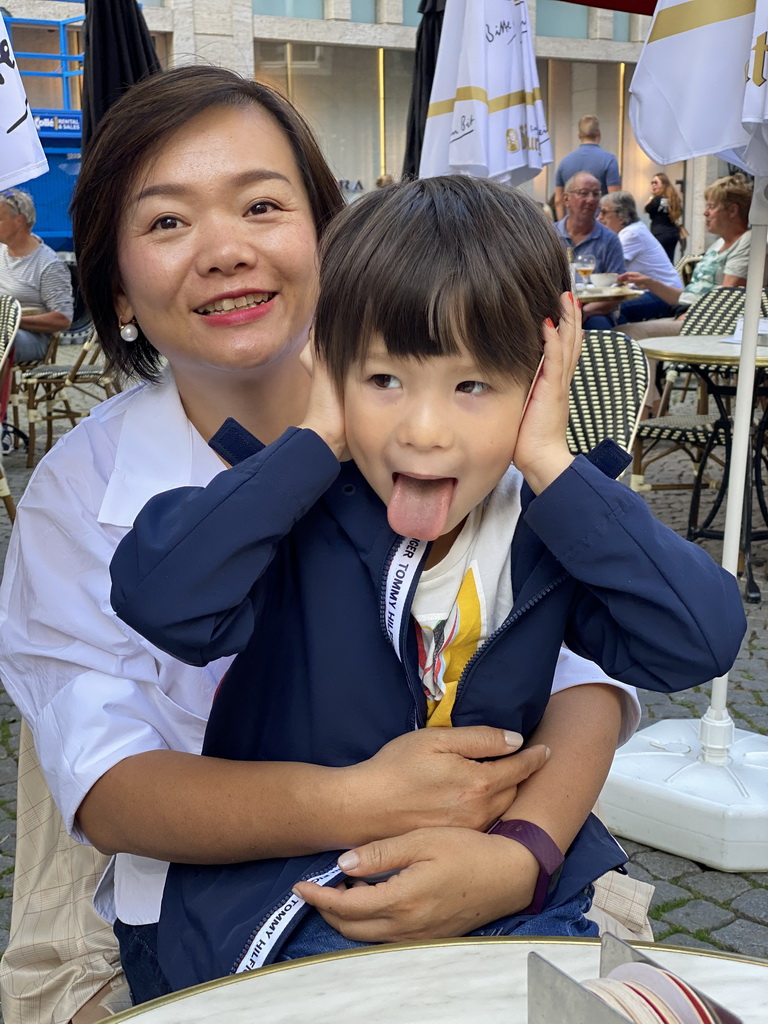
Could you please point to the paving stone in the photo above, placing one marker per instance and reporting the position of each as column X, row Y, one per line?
column 716, row 885
column 668, row 710
column 657, row 927
column 666, row 892
column 635, row 871
column 761, row 877
column 665, row 865
column 743, row 937
column 632, row 847
column 752, row 904
column 5, row 911
column 8, row 771
column 698, row 915
column 681, row 939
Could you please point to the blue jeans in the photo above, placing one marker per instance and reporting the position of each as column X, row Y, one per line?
column 314, row 936
column 645, row 307
column 138, row 955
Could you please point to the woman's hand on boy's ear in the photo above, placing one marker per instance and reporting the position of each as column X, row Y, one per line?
column 541, row 452
column 325, row 411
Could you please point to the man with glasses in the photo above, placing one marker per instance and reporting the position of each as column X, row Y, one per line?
column 31, row 272
column 591, row 157
column 583, row 234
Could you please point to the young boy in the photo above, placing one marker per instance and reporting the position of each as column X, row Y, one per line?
column 426, row 582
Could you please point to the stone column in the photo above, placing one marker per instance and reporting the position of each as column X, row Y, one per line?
column 210, row 31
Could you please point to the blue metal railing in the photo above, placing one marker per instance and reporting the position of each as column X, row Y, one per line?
column 66, row 60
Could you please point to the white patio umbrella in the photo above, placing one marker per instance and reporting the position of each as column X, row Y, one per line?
column 485, row 114
column 21, row 155
column 701, row 789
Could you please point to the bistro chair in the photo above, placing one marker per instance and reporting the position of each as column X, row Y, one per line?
column 13, row 433
column 10, row 315
column 608, row 391
column 50, row 388
column 699, row 434
column 685, row 267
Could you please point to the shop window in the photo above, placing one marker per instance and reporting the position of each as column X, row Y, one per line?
column 565, row 20
column 411, row 14
column 290, row 8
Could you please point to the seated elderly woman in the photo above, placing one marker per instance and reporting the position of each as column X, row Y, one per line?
column 725, row 262
column 643, row 254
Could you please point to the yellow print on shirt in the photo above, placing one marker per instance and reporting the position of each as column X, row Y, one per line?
column 463, row 631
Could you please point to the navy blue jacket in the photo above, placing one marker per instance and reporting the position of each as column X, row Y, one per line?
column 282, row 559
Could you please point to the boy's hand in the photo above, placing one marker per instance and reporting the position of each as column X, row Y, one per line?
column 451, row 881
column 541, row 453
column 325, row 412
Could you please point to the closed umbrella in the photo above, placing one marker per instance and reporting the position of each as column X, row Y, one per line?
column 118, row 53
column 700, row 88
column 21, row 155
column 427, row 44
column 486, row 116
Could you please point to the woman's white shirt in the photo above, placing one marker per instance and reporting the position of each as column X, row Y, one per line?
column 92, row 690
column 643, row 253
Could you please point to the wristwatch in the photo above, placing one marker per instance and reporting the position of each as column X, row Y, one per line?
column 544, row 849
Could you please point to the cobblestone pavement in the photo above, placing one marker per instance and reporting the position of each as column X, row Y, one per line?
column 693, row 905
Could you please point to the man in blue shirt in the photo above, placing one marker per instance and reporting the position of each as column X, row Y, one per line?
column 583, row 234
column 591, row 157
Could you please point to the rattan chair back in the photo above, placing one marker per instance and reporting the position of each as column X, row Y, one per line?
column 607, row 391
column 717, row 312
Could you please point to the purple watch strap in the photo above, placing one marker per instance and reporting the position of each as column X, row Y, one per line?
column 544, row 849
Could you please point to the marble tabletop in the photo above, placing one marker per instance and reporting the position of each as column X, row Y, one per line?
column 699, row 348
column 454, row 981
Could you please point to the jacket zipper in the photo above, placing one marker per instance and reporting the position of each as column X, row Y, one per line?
column 308, row 876
column 510, row 619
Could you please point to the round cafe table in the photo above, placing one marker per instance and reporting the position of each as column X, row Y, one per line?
column 705, row 354
column 450, row 981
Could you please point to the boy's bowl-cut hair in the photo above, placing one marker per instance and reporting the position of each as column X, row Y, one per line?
column 438, row 262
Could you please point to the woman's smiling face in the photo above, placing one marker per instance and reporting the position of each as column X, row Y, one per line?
column 217, row 249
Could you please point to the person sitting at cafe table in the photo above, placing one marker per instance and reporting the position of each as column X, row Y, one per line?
column 643, row 254
column 31, row 272
column 584, row 235
column 724, row 263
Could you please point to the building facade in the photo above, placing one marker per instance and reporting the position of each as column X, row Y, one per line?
column 347, row 64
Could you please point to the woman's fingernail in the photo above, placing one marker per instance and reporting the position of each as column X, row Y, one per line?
column 513, row 739
column 295, row 891
column 348, row 861
column 549, row 322
column 548, row 753
column 572, row 297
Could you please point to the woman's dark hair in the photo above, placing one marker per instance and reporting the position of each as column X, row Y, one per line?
column 436, row 263
column 134, row 130
column 623, row 205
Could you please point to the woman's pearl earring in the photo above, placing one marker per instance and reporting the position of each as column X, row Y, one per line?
column 129, row 331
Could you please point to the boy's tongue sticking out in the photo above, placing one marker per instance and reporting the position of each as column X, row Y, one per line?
column 419, row 508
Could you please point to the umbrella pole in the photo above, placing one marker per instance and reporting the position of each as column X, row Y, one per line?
column 716, row 729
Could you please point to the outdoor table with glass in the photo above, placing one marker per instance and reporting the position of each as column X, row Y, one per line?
column 714, row 360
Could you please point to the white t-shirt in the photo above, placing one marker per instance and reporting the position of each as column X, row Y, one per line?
column 38, row 280
column 643, row 253
column 466, row 597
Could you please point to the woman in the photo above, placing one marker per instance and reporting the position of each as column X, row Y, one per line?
column 642, row 254
column 665, row 210
column 211, row 265
column 724, row 263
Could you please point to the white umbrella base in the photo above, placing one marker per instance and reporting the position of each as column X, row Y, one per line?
column 659, row 793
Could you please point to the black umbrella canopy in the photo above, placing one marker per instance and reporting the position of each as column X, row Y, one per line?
column 427, row 43
column 118, row 53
